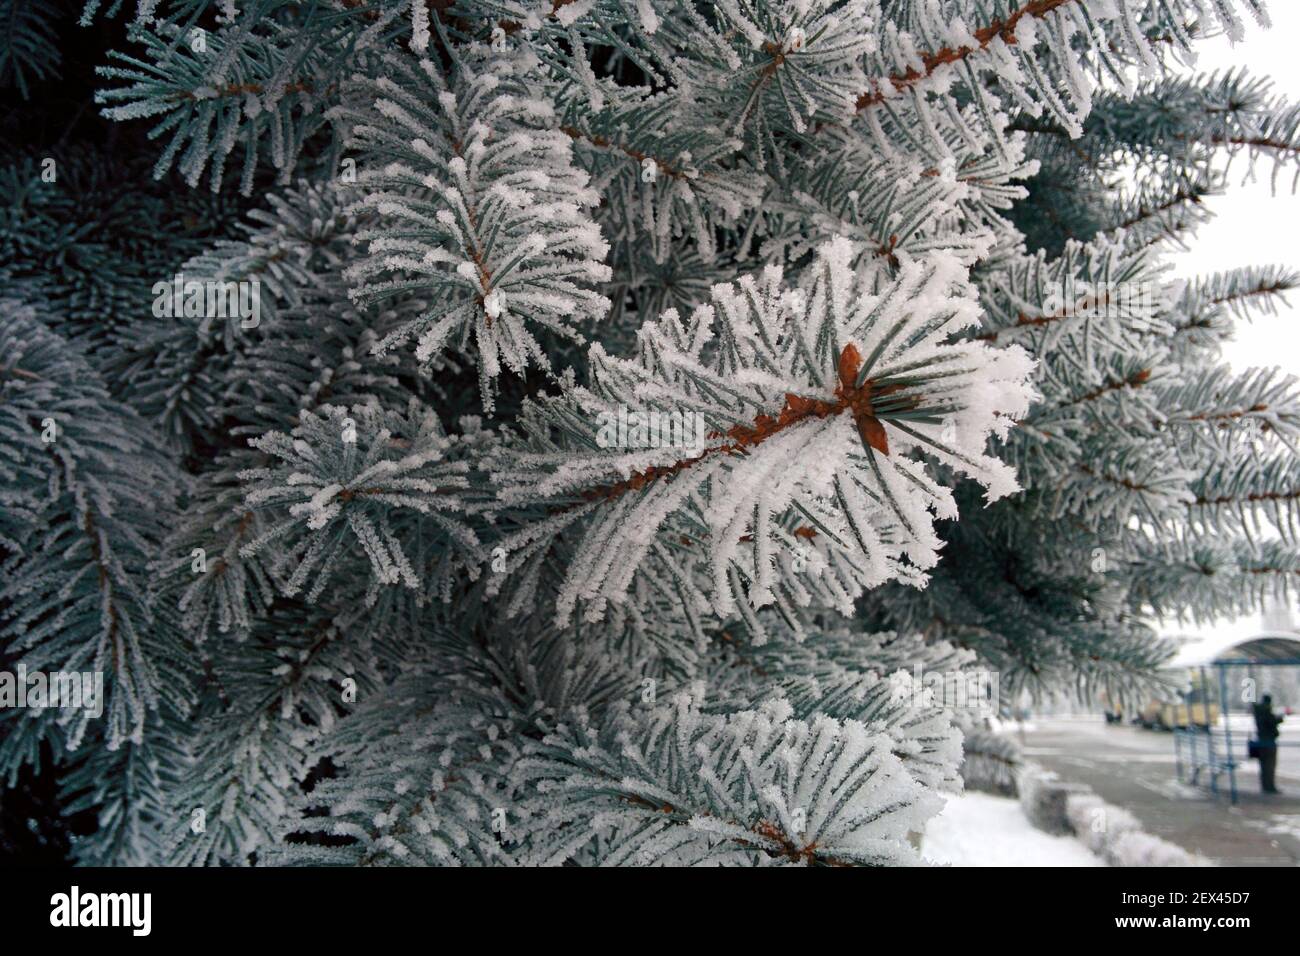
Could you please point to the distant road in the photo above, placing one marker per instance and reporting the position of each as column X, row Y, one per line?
column 1134, row 769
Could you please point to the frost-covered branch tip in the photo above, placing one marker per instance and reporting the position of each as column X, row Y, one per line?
column 480, row 209
column 803, row 411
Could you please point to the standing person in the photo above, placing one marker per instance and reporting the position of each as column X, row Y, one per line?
column 1266, row 733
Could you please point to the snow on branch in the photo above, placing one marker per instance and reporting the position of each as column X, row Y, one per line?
column 679, row 787
column 796, row 417
column 480, row 207
column 88, row 494
column 1046, row 55
column 365, row 475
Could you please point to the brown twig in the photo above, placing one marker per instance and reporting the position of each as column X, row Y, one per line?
column 797, row 409
column 998, row 29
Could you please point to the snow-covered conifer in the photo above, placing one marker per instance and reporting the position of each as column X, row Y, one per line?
column 651, row 410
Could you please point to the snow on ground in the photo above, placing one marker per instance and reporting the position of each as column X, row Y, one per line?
column 978, row 829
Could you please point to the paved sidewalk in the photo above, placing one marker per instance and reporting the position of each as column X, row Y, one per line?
column 1134, row 769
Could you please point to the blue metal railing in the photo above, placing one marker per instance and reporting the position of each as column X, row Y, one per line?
column 1201, row 752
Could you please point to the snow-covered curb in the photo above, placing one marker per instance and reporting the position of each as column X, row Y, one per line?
column 1114, row 834
column 993, row 764
column 990, row 762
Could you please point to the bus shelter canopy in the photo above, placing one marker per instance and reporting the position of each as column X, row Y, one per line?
column 1264, row 650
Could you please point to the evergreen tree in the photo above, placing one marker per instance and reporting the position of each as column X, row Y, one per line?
column 507, row 432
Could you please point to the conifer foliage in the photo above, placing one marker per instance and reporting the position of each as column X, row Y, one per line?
column 498, row 433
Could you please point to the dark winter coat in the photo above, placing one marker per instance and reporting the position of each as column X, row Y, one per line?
column 1266, row 723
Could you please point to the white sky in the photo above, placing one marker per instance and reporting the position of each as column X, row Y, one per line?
column 1253, row 226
